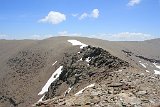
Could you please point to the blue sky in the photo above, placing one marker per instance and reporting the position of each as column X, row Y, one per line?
column 108, row 19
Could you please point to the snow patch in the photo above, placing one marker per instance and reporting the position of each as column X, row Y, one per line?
column 143, row 65
column 75, row 42
column 157, row 66
column 88, row 59
column 120, row 70
column 157, row 72
column 40, row 99
column 147, row 71
column 79, row 60
column 54, row 76
column 68, row 90
column 81, row 91
column 54, row 63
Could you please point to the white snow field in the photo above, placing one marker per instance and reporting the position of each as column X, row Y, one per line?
column 54, row 76
column 157, row 72
column 40, row 99
column 75, row 42
column 157, row 66
column 81, row 91
column 68, row 90
column 142, row 64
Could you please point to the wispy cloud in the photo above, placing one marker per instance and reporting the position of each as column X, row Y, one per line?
column 53, row 18
column 66, row 33
column 2, row 36
column 7, row 36
column 75, row 14
column 125, row 36
column 40, row 36
column 93, row 14
column 63, row 33
column 133, row 2
column 44, row 36
column 83, row 16
column 34, row 36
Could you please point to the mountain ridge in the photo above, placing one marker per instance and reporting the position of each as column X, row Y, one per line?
column 24, row 88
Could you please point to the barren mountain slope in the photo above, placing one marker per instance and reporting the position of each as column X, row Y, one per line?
column 27, row 65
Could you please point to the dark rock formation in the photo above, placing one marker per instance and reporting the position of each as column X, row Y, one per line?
column 148, row 59
column 129, row 53
column 8, row 99
column 91, row 64
column 126, row 88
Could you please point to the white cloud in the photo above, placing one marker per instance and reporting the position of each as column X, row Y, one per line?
column 127, row 36
column 54, row 17
column 40, row 36
column 93, row 14
column 124, row 36
column 7, row 36
column 65, row 33
column 84, row 15
column 2, row 36
column 133, row 2
column 34, row 37
column 75, row 15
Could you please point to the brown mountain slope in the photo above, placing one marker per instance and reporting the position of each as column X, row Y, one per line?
column 26, row 65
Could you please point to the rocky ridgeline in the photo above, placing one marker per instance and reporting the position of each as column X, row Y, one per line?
column 127, row 88
column 88, row 66
column 101, row 58
column 116, row 83
column 129, row 53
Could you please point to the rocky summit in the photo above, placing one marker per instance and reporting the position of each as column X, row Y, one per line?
column 95, row 78
column 88, row 66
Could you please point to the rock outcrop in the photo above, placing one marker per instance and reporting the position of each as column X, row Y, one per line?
column 129, row 53
column 116, row 83
column 127, row 88
column 89, row 65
